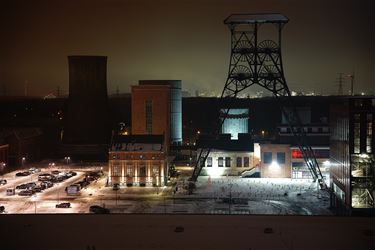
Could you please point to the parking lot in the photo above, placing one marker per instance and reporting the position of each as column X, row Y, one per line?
column 78, row 190
column 41, row 190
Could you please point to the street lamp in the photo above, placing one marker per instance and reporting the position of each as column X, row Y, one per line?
column 67, row 159
column 34, row 200
column 23, row 160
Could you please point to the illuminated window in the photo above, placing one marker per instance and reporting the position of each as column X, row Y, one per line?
column 129, row 171
column 220, row 162
column 357, row 133
column 239, row 162
column 155, row 170
column 246, row 162
column 209, row 161
column 280, row 157
column 227, row 162
column 369, row 134
column 148, row 113
column 116, row 169
column 267, row 157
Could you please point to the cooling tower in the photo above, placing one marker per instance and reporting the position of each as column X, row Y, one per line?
column 86, row 121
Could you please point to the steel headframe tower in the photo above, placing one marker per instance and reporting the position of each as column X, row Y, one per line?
column 257, row 61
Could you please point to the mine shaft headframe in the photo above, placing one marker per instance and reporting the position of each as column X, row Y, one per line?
column 255, row 60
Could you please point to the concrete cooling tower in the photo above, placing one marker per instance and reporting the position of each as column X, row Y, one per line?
column 87, row 120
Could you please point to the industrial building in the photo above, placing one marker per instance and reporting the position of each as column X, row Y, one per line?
column 87, row 121
column 236, row 122
column 352, row 155
column 157, row 109
column 229, row 157
column 314, row 121
column 138, row 160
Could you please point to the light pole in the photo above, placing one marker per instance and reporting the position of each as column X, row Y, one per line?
column 34, row 199
column 67, row 160
column 23, row 160
column 2, row 166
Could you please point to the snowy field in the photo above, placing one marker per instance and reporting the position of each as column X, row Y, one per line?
column 222, row 195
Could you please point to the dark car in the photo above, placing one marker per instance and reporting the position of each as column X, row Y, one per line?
column 72, row 173
column 55, row 172
column 46, row 184
column 116, row 186
column 45, row 177
column 3, row 182
column 99, row 210
column 37, row 189
column 26, row 193
column 22, row 186
column 63, row 205
column 25, row 173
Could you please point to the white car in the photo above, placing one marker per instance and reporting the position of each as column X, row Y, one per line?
column 34, row 170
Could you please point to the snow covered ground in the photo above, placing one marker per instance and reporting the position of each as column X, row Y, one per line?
column 221, row 195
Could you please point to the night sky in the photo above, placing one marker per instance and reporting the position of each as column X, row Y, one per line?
column 185, row 39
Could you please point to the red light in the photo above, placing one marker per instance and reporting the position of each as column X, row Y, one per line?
column 296, row 153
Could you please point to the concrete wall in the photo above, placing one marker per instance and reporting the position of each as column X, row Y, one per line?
column 274, row 169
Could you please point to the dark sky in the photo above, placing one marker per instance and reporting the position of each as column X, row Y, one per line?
column 180, row 39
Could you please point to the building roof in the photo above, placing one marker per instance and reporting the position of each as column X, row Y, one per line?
column 139, row 143
column 224, row 144
column 256, row 18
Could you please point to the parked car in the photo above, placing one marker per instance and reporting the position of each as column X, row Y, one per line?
column 22, row 186
column 45, row 177
column 26, row 193
column 34, row 170
column 99, row 210
column 11, row 191
column 47, row 184
column 55, row 172
column 3, row 182
column 26, row 185
column 63, row 205
column 24, row 173
column 72, row 173
column 116, row 186
column 37, row 189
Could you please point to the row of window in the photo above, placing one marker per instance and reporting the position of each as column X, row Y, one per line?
column 267, row 157
column 116, row 170
column 308, row 129
column 357, row 133
column 227, row 162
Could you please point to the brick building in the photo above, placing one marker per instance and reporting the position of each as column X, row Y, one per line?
column 138, row 160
